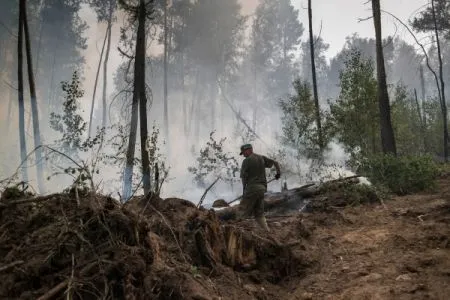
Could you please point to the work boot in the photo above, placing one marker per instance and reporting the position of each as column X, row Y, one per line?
column 263, row 223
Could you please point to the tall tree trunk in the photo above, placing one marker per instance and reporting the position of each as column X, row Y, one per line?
column 255, row 94
column 9, row 116
column 424, row 113
column 34, row 106
column 38, row 55
column 314, row 79
column 166, row 109
column 91, row 115
column 140, row 79
column 23, row 145
column 387, row 132
column 138, row 90
column 50, row 93
column 421, row 117
column 194, row 102
column 441, row 79
column 212, row 100
column 183, row 98
column 105, row 68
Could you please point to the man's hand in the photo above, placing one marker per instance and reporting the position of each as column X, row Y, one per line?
column 277, row 176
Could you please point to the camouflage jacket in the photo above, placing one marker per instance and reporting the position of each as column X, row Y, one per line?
column 253, row 170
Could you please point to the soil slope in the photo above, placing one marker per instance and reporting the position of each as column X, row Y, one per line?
column 95, row 248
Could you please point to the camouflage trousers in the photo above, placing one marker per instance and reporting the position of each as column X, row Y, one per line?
column 252, row 203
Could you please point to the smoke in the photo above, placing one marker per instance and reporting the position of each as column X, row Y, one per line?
column 180, row 157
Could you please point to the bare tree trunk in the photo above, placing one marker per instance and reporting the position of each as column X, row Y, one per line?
column 314, row 79
column 194, row 102
column 38, row 55
column 96, row 80
column 424, row 113
column 51, row 103
column 421, row 118
column 9, row 116
column 387, row 132
column 166, row 109
column 34, row 106
column 183, row 98
column 140, row 80
column 212, row 100
column 138, row 90
column 23, row 145
column 105, row 69
column 255, row 95
column 441, row 79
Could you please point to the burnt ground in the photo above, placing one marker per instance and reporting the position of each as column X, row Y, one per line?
column 98, row 249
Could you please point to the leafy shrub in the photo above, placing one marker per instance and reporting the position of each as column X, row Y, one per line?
column 348, row 193
column 402, row 175
column 214, row 162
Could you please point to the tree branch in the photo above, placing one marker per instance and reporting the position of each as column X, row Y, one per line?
column 125, row 54
column 206, row 191
column 8, row 30
column 423, row 50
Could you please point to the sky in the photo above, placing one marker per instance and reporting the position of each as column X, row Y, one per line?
column 339, row 18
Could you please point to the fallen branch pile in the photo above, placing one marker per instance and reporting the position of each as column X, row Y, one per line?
column 55, row 247
column 332, row 194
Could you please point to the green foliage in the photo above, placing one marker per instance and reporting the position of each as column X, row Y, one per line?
column 276, row 33
column 402, row 175
column 70, row 123
column 104, row 9
column 157, row 161
column 355, row 114
column 299, row 122
column 434, row 127
column 425, row 21
column 66, row 155
column 159, row 169
column 214, row 162
column 351, row 194
column 407, row 123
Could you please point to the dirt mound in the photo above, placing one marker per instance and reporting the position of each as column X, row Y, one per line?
column 95, row 248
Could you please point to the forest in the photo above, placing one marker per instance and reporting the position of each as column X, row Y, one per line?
column 204, row 77
column 122, row 122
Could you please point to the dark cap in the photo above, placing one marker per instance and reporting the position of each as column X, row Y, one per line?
column 245, row 147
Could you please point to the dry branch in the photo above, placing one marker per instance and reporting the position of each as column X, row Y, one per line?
column 11, row 265
column 206, row 191
column 54, row 291
column 29, row 200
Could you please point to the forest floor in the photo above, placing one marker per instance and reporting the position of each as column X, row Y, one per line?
column 95, row 248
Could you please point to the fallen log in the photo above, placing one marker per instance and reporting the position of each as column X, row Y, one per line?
column 292, row 200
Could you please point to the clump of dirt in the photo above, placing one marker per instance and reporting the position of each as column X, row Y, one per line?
column 93, row 247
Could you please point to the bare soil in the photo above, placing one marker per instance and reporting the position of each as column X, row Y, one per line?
column 169, row 249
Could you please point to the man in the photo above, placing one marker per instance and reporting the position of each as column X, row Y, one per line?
column 254, row 182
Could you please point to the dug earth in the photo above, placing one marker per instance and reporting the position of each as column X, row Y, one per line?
column 93, row 247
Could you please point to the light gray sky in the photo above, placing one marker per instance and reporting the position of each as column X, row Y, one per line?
column 340, row 18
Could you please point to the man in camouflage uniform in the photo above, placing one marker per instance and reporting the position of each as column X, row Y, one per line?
column 254, row 182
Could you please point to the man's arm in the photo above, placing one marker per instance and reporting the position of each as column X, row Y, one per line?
column 270, row 162
column 277, row 167
column 244, row 174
